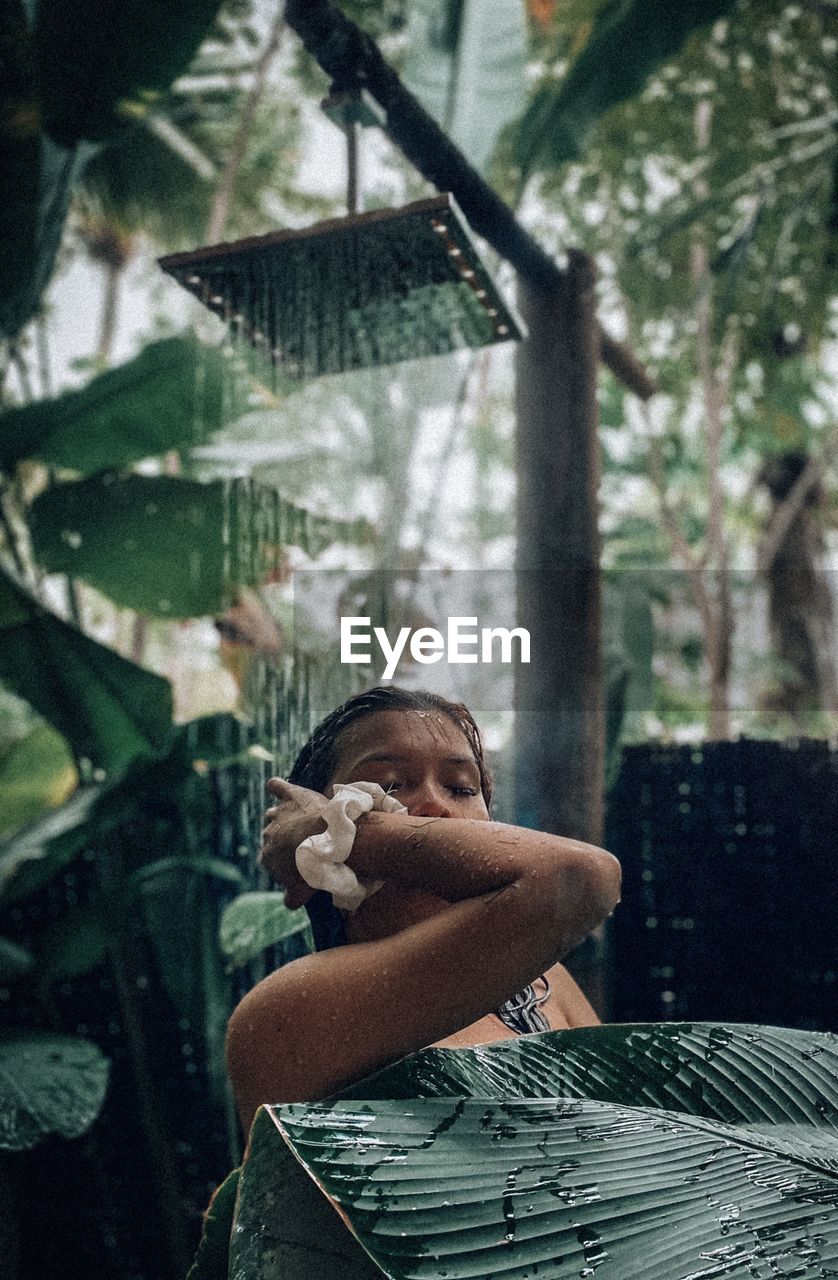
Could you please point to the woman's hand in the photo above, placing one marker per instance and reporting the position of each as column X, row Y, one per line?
column 297, row 815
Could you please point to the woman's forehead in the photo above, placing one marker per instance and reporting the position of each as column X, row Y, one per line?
column 407, row 732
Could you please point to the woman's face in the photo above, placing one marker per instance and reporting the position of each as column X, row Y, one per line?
column 420, row 757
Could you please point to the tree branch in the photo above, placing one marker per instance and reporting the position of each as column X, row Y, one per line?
column 224, row 191
column 791, row 506
column 352, row 59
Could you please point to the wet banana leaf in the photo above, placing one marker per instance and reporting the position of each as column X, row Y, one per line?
column 174, row 548
column 37, row 175
column 212, row 1259
column 48, row 1084
column 109, row 709
column 104, row 62
column 736, row 1074
column 654, row 1151
column 173, row 395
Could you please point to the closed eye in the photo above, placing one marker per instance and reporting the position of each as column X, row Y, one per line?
column 391, row 787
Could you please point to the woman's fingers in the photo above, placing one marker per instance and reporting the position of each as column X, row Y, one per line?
column 270, row 817
column 303, row 797
column 297, row 895
column 288, row 790
column 295, row 815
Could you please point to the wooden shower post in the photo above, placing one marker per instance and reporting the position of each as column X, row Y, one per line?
column 560, row 693
column 560, row 751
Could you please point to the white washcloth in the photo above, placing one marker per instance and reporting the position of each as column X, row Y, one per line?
column 321, row 859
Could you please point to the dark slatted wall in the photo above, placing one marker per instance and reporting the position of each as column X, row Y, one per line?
column 730, row 899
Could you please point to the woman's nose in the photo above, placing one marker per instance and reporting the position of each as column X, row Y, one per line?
column 429, row 803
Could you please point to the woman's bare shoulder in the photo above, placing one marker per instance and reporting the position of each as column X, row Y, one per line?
column 285, row 1040
column 290, row 998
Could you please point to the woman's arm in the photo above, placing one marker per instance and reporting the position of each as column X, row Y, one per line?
column 520, row 900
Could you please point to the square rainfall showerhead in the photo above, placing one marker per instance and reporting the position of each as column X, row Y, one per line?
column 354, row 292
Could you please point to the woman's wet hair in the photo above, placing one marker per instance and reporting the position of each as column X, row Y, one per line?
column 315, row 765
column 315, row 768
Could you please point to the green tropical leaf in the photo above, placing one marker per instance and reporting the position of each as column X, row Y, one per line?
column 739, row 1073
column 48, row 1084
column 169, row 892
column 154, row 878
column 173, row 395
column 36, row 773
column 157, row 180
column 108, row 709
column 152, row 543
column 37, row 177
column 39, row 180
column 172, row 547
column 31, row 857
column 629, row 41
column 212, row 1259
column 466, row 63
column 659, row 1151
column 254, row 921
column 78, row 73
column 15, row 961
column 462, row 1189
column 102, row 63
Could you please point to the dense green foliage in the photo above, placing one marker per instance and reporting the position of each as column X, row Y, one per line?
column 692, row 150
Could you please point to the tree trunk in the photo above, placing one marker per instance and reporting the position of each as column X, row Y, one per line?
column 223, row 196
column 801, row 616
column 110, row 307
column 714, row 372
column 718, row 644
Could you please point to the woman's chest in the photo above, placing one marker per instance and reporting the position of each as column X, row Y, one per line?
column 490, row 1029
column 565, row 1007
column 484, row 1031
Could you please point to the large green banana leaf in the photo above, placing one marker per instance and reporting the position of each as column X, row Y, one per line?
column 77, row 75
column 667, row 1152
column 173, row 395
column 109, row 709
column 628, row 42
column 31, row 856
column 152, row 829
column 466, row 63
column 157, row 804
column 173, row 547
column 36, row 175
column 102, row 59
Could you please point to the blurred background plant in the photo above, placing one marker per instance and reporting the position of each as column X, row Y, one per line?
column 156, row 497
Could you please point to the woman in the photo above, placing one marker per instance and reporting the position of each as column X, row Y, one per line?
column 458, row 937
